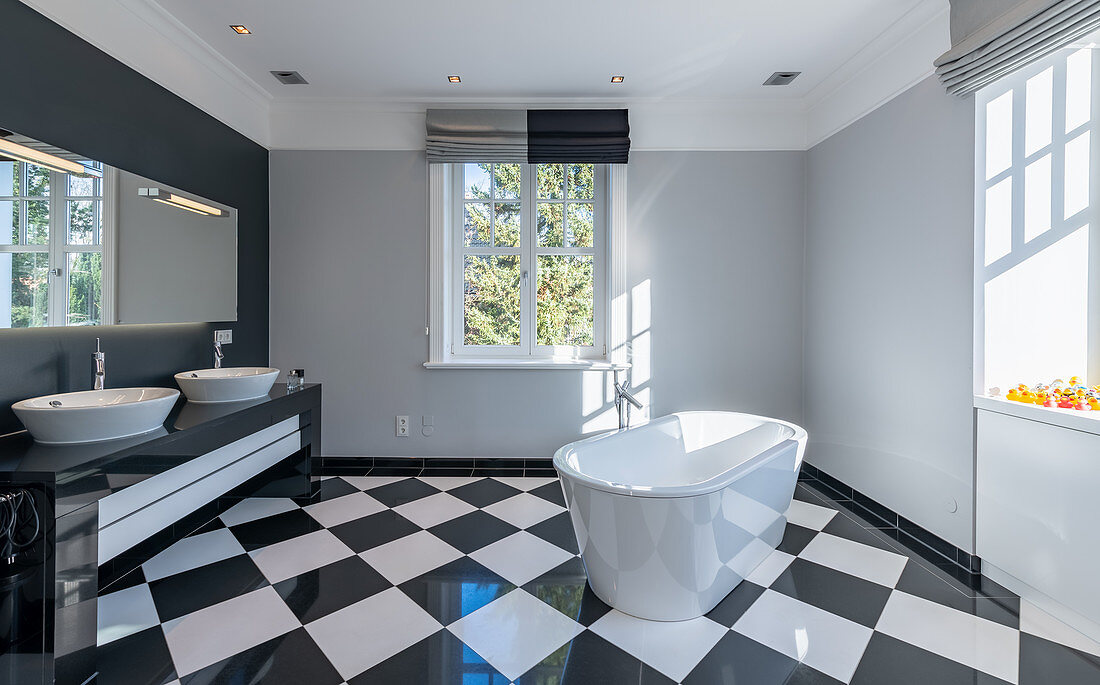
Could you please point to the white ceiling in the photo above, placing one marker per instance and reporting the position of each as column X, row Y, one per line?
column 521, row 50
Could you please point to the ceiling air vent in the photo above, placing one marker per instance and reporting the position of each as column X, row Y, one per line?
column 781, row 78
column 289, row 78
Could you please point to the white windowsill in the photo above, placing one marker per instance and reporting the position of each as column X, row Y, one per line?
column 1074, row 419
column 530, row 364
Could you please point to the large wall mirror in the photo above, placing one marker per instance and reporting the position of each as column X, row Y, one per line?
column 86, row 244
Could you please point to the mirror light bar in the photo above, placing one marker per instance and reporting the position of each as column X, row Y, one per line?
column 45, row 159
column 169, row 198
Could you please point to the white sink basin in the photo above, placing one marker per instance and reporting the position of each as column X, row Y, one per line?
column 94, row 415
column 227, row 385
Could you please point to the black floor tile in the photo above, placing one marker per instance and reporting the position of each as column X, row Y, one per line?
column 455, row 589
column 919, row 581
column 735, row 603
column 1043, row 662
column 843, row 526
column 804, row 675
column 473, row 531
column 738, row 660
column 330, row 588
column 138, row 659
column 272, row 529
column 213, row 524
column 557, row 530
column 376, row 529
column 795, row 539
column 335, row 487
column 187, row 592
column 589, row 658
column 566, row 589
column 838, row 593
column 441, row 659
column 131, row 579
column 551, row 492
column 290, row 658
column 887, row 660
column 485, row 492
column 402, row 491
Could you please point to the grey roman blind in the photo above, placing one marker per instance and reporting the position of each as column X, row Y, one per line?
column 476, row 135
column 992, row 39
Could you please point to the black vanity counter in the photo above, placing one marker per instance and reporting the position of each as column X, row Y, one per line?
column 83, row 474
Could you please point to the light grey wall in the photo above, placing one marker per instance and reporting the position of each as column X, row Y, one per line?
column 718, row 238
column 889, row 308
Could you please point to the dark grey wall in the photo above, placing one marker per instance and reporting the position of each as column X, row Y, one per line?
column 715, row 243
column 62, row 90
column 889, row 308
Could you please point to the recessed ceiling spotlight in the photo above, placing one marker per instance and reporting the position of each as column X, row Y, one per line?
column 241, row 29
column 617, row 79
column 781, row 78
column 454, row 79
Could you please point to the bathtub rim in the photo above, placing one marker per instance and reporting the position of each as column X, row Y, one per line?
column 713, row 484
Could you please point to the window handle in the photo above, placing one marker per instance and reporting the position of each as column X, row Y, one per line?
column 524, row 279
column 56, row 272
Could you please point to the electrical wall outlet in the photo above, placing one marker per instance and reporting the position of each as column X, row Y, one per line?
column 224, row 337
column 402, row 427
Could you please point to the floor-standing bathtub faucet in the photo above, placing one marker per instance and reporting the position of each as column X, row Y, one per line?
column 99, row 363
column 622, row 392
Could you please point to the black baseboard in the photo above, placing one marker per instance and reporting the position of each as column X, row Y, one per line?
column 432, row 466
column 929, row 544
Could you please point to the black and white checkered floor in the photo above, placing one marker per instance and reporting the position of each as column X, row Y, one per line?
column 476, row 581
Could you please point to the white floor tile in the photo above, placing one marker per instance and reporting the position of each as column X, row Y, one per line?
column 515, row 632
column 976, row 642
column 368, row 482
column 295, row 556
column 369, row 632
column 771, row 568
column 1035, row 621
column 829, row 643
column 853, row 558
column 524, row 510
column 124, row 613
column 410, row 556
column 521, row 557
column 333, row 512
column 525, row 484
column 449, row 482
column 256, row 508
column 214, row 633
column 809, row 515
column 193, row 552
column 671, row 647
column 434, row 509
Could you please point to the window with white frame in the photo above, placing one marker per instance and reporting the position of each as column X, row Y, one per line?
column 524, row 273
column 1037, row 266
column 51, row 246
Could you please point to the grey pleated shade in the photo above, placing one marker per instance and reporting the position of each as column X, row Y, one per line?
column 993, row 39
column 534, row 136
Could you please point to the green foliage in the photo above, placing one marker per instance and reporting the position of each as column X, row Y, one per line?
column 85, row 288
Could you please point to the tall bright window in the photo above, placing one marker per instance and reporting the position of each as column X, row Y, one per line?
column 51, row 246
column 1038, row 274
column 528, row 272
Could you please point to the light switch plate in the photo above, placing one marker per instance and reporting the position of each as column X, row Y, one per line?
column 224, row 337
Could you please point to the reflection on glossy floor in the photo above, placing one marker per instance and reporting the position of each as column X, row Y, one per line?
column 476, row 581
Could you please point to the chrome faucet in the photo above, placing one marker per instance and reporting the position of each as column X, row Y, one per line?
column 100, row 368
column 622, row 394
column 218, row 355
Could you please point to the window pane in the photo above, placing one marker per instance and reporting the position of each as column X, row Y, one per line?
column 565, row 300
column 81, row 186
column 581, row 183
column 551, row 180
column 38, row 221
column 1037, row 198
column 1077, row 174
column 83, row 228
column 1078, row 88
column 581, row 225
column 9, row 222
column 998, row 221
column 476, row 180
column 38, row 181
column 477, row 225
column 550, row 230
column 506, row 181
column 491, row 300
column 85, row 289
column 507, row 224
column 9, row 180
column 25, row 302
column 1039, row 115
column 998, row 135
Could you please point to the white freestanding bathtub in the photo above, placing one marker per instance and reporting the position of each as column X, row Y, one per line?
column 670, row 516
